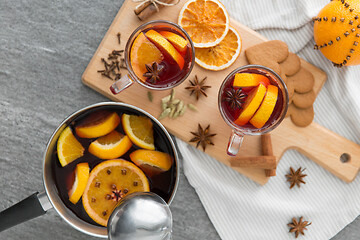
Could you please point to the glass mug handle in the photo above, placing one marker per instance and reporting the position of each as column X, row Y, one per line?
column 235, row 142
column 121, row 84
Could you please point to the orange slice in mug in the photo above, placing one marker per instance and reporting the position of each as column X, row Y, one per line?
column 112, row 145
column 266, row 108
column 97, row 124
column 68, row 147
column 151, row 162
column 250, row 80
column 176, row 40
column 143, row 52
column 108, row 183
column 81, row 178
column 166, row 47
column 251, row 104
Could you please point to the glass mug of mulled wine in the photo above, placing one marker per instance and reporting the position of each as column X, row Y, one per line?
column 159, row 55
column 252, row 100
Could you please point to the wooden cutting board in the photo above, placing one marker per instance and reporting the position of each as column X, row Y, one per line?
column 316, row 142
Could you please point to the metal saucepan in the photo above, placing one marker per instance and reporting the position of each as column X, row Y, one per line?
column 38, row 203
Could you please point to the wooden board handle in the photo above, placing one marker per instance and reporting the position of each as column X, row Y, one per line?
column 337, row 154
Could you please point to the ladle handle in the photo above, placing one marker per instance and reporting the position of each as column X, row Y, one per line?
column 24, row 210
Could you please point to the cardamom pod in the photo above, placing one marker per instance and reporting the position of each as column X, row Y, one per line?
column 163, row 106
column 182, row 111
column 164, row 113
column 175, row 101
column 172, row 112
column 165, row 99
column 192, row 107
column 179, row 106
column 172, row 95
column 150, row 96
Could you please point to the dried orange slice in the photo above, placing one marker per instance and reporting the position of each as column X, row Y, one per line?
column 266, row 108
column 161, row 42
column 81, row 178
column 143, row 52
column 68, row 147
column 112, row 145
column 251, row 104
column 97, row 124
column 206, row 21
column 222, row 55
column 151, row 162
column 108, row 183
column 140, row 130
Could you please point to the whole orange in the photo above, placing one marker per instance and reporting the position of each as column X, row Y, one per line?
column 337, row 32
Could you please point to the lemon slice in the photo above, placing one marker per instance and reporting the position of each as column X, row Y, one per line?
column 108, row 183
column 151, row 162
column 81, row 177
column 112, row 145
column 222, row 55
column 97, row 124
column 206, row 21
column 68, row 147
column 140, row 130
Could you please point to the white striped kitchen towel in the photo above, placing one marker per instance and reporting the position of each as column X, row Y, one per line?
column 241, row 209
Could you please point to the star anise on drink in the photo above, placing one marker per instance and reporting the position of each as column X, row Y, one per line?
column 298, row 227
column 235, row 97
column 296, row 177
column 198, row 87
column 153, row 72
column 202, row 137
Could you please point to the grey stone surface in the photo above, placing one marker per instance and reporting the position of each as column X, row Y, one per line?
column 44, row 48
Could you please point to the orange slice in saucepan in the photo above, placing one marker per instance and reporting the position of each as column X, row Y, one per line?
column 81, row 178
column 68, row 147
column 97, row 124
column 151, row 162
column 108, row 183
column 112, row 145
column 140, row 130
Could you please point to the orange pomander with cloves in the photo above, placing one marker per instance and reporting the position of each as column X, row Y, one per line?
column 337, row 32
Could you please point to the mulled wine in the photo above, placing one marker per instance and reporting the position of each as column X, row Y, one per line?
column 162, row 182
column 161, row 55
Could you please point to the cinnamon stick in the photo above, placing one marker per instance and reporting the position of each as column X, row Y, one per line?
column 139, row 8
column 265, row 162
column 268, row 151
column 144, row 11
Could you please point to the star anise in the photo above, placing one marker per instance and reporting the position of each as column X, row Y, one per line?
column 296, row 177
column 153, row 72
column 235, row 97
column 117, row 195
column 198, row 87
column 202, row 137
column 298, row 227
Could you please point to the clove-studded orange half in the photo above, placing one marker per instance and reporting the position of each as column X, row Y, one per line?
column 337, row 32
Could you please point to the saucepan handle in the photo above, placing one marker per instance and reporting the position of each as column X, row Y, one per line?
column 29, row 208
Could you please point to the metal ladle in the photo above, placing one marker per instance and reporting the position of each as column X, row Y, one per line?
column 141, row 216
